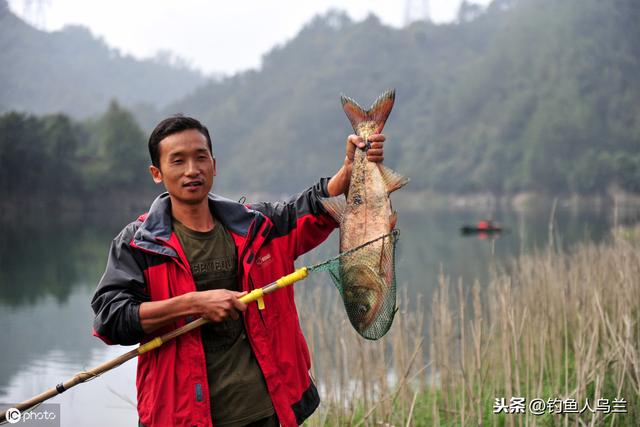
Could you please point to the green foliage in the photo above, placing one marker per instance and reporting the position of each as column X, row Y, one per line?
column 119, row 151
column 521, row 95
column 15, row 148
column 53, row 158
column 524, row 95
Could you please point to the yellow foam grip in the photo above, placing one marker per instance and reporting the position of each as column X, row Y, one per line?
column 154, row 343
column 287, row 280
column 258, row 294
column 252, row 296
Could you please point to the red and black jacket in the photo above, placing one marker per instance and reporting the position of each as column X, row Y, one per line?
column 147, row 263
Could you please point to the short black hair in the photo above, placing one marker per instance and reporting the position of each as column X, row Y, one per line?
column 174, row 124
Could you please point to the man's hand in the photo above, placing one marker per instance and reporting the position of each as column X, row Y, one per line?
column 339, row 183
column 215, row 305
column 219, row 304
column 375, row 153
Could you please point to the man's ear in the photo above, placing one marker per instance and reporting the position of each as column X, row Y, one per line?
column 214, row 166
column 156, row 174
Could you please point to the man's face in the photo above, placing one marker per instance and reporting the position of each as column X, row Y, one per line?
column 186, row 168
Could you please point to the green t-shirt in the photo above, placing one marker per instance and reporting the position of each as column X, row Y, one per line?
column 238, row 392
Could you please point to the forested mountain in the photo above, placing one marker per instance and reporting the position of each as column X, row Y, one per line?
column 525, row 95
column 539, row 95
column 73, row 72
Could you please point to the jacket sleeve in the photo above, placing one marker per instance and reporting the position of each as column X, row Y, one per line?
column 120, row 292
column 301, row 219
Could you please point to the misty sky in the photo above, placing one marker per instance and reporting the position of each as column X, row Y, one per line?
column 214, row 36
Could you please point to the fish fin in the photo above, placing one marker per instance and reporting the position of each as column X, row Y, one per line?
column 354, row 111
column 393, row 180
column 379, row 111
column 386, row 263
column 335, row 206
column 393, row 220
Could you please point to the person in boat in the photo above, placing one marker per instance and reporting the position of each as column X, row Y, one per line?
column 193, row 254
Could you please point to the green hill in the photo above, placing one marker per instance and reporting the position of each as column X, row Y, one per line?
column 525, row 95
column 73, row 72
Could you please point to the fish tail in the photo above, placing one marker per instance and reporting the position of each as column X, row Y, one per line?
column 377, row 114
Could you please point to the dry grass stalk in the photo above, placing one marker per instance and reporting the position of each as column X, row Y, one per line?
column 548, row 325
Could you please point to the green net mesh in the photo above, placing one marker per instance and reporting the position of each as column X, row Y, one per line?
column 365, row 277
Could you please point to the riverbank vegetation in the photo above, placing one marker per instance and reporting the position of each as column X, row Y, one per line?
column 549, row 325
column 83, row 165
column 54, row 161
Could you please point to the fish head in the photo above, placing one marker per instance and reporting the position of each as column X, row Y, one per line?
column 363, row 293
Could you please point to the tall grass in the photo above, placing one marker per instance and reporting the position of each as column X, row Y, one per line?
column 548, row 325
column 360, row 381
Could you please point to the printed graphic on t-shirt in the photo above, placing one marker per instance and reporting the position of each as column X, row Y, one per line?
column 214, row 269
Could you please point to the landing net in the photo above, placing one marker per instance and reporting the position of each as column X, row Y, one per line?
column 365, row 277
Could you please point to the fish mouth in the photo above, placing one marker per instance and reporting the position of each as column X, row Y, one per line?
column 359, row 306
column 362, row 306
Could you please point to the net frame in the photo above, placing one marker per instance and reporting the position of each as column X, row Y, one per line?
column 380, row 295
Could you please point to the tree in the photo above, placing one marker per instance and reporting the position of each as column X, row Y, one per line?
column 122, row 151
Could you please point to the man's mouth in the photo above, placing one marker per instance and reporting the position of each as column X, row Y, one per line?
column 191, row 184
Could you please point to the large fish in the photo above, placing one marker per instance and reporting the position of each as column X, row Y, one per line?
column 366, row 276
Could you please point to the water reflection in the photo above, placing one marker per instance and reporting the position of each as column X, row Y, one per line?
column 49, row 342
column 48, row 272
column 431, row 243
column 48, row 257
column 49, row 269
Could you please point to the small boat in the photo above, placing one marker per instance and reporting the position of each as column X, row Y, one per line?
column 484, row 226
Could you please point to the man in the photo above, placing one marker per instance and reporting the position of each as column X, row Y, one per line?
column 193, row 255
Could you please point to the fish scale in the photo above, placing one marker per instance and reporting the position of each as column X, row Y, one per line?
column 365, row 279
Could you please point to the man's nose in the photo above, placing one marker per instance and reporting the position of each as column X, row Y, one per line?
column 192, row 168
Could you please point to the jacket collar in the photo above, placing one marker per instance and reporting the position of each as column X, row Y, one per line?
column 155, row 230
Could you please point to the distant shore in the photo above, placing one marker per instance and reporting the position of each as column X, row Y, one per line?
column 417, row 200
column 407, row 200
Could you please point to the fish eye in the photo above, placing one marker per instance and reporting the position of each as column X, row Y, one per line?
column 363, row 309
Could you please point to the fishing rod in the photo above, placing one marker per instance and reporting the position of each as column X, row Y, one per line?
column 81, row 377
column 254, row 295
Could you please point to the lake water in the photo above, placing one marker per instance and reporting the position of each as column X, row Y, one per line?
column 49, row 268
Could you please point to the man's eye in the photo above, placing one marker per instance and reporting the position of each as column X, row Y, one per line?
column 176, row 161
column 202, row 157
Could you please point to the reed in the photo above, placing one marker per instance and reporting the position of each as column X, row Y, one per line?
column 547, row 325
